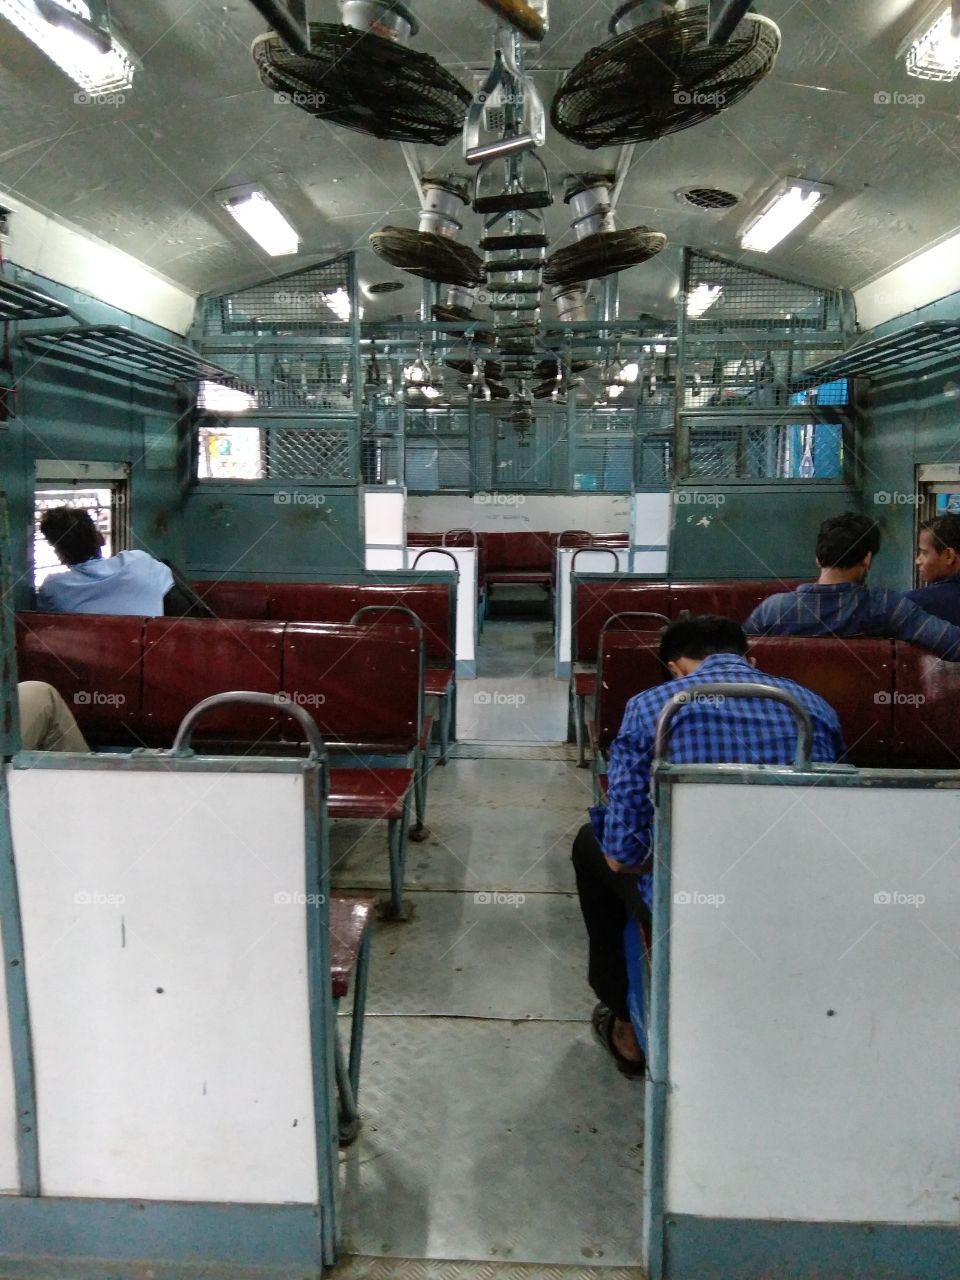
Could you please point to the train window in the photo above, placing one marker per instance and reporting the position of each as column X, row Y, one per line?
column 230, row 453
column 104, row 496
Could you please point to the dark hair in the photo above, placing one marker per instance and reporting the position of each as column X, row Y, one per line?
column 72, row 534
column 843, row 541
column 699, row 637
column 945, row 531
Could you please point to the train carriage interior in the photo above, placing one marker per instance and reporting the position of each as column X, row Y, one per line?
column 415, row 418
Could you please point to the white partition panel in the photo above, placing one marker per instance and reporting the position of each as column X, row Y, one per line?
column 436, row 561
column 384, row 527
column 813, row 1021
column 9, row 1171
column 600, row 561
column 166, row 962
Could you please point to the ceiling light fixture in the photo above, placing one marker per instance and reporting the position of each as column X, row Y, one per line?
column 702, row 299
column 935, row 53
column 792, row 203
column 217, row 397
column 68, row 33
column 339, row 303
column 261, row 220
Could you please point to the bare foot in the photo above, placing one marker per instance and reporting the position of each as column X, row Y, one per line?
column 625, row 1040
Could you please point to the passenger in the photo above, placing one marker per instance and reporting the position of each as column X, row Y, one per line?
column 612, row 854
column 840, row 603
column 46, row 722
column 938, row 559
column 131, row 582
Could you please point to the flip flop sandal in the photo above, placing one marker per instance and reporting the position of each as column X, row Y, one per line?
column 601, row 1021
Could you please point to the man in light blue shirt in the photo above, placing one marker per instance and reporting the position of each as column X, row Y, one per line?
column 129, row 583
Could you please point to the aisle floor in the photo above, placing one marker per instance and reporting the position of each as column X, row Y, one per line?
column 495, row 1130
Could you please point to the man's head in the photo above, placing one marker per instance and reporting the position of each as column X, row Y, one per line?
column 938, row 548
column 846, row 546
column 686, row 643
column 72, row 534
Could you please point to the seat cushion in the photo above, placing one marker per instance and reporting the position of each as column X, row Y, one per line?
column 437, row 681
column 349, row 920
column 368, row 793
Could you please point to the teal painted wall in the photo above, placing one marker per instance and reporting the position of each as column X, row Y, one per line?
column 73, row 413
column 907, row 422
column 751, row 531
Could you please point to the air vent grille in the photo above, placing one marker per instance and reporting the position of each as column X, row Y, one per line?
column 709, row 199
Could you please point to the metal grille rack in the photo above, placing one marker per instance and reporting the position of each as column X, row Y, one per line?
column 120, row 348
column 921, row 343
column 757, row 301
column 17, row 302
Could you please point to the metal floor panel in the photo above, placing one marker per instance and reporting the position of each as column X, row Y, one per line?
column 515, row 697
column 494, row 824
column 494, row 1141
column 483, row 959
column 409, row 1269
column 477, row 750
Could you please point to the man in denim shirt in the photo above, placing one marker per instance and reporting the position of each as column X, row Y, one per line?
column 840, row 603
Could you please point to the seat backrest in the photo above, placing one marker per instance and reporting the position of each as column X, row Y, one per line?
column 363, row 685
column 730, row 599
column 187, row 660
column 595, row 602
column 628, row 664
column 235, row 599
column 856, row 677
column 926, row 710
column 520, row 551
column 93, row 661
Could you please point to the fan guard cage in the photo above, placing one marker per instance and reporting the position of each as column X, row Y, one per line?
column 661, row 78
column 362, row 81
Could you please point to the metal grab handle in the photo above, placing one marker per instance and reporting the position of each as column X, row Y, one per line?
column 618, row 617
column 450, row 532
column 751, row 690
column 595, row 551
column 436, row 551
column 573, row 533
column 281, row 701
column 387, row 608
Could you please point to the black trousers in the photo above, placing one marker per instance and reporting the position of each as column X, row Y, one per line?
column 607, row 900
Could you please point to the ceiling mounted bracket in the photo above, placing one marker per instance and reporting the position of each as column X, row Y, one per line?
column 725, row 17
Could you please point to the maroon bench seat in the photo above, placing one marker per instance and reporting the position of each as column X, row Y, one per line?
column 236, row 599
column 926, row 710
column 191, row 659
column 375, row 794
column 855, row 676
column 519, row 557
column 94, row 662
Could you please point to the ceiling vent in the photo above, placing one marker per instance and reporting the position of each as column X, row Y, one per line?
column 708, row 199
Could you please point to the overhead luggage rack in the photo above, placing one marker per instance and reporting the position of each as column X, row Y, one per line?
column 120, row 347
column 925, row 342
column 17, row 302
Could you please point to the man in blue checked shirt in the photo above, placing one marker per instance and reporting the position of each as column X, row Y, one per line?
column 840, row 603
column 612, row 854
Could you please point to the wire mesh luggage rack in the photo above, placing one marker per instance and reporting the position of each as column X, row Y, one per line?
column 17, row 302
column 923, row 343
column 128, row 352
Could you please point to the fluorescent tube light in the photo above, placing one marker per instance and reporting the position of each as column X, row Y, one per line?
column 65, row 31
column 262, row 221
column 793, row 202
column 702, row 299
column 935, row 54
column 339, row 303
column 217, row 397
column 630, row 372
